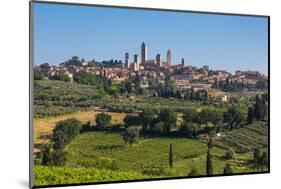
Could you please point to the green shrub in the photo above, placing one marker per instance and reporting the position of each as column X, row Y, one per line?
column 100, row 163
column 103, row 121
column 159, row 128
column 65, row 131
column 58, row 158
column 230, row 154
column 193, row 172
column 131, row 135
column 162, row 171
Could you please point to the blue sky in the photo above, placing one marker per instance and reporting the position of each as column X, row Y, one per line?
column 222, row 42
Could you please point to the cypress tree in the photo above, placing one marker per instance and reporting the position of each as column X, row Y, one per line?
column 257, row 154
column 251, row 115
column 260, row 108
column 227, row 170
column 171, row 158
column 210, row 142
column 46, row 156
column 263, row 163
column 209, row 166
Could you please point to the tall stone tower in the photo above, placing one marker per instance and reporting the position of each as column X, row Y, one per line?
column 143, row 53
column 182, row 61
column 206, row 68
column 158, row 60
column 127, row 60
column 136, row 63
column 169, row 58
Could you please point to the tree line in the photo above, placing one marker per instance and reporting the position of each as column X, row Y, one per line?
column 64, row 132
column 230, row 86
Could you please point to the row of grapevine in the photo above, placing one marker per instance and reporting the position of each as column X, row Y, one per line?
column 247, row 138
column 67, row 175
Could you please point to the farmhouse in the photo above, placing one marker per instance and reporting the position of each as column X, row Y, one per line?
column 203, row 136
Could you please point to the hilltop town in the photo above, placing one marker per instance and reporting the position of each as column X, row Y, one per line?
column 160, row 69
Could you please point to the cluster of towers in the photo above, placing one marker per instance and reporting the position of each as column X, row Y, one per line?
column 143, row 60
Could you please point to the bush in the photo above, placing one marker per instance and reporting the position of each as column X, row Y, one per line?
column 86, row 127
column 60, row 138
column 115, row 127
column 37, row 161
column 193, row 172
column 189, row 115
column 58, row 158
column 61, row 77
column 103, row 121
column 159, row 171
column 54, row 158
column 185, row 130
column 38, row 74
column 159, row 128
column 65, row 131
column 131, row 135
column 88, row 79
column 229, row 154
column 130, row 120
column 106, row 163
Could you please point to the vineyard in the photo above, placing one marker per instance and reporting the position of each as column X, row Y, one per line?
column 89, row 149
column 67, row 175
column 101, row 156
column 246, row 139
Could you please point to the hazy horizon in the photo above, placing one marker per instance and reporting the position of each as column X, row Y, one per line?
column 101, row 33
